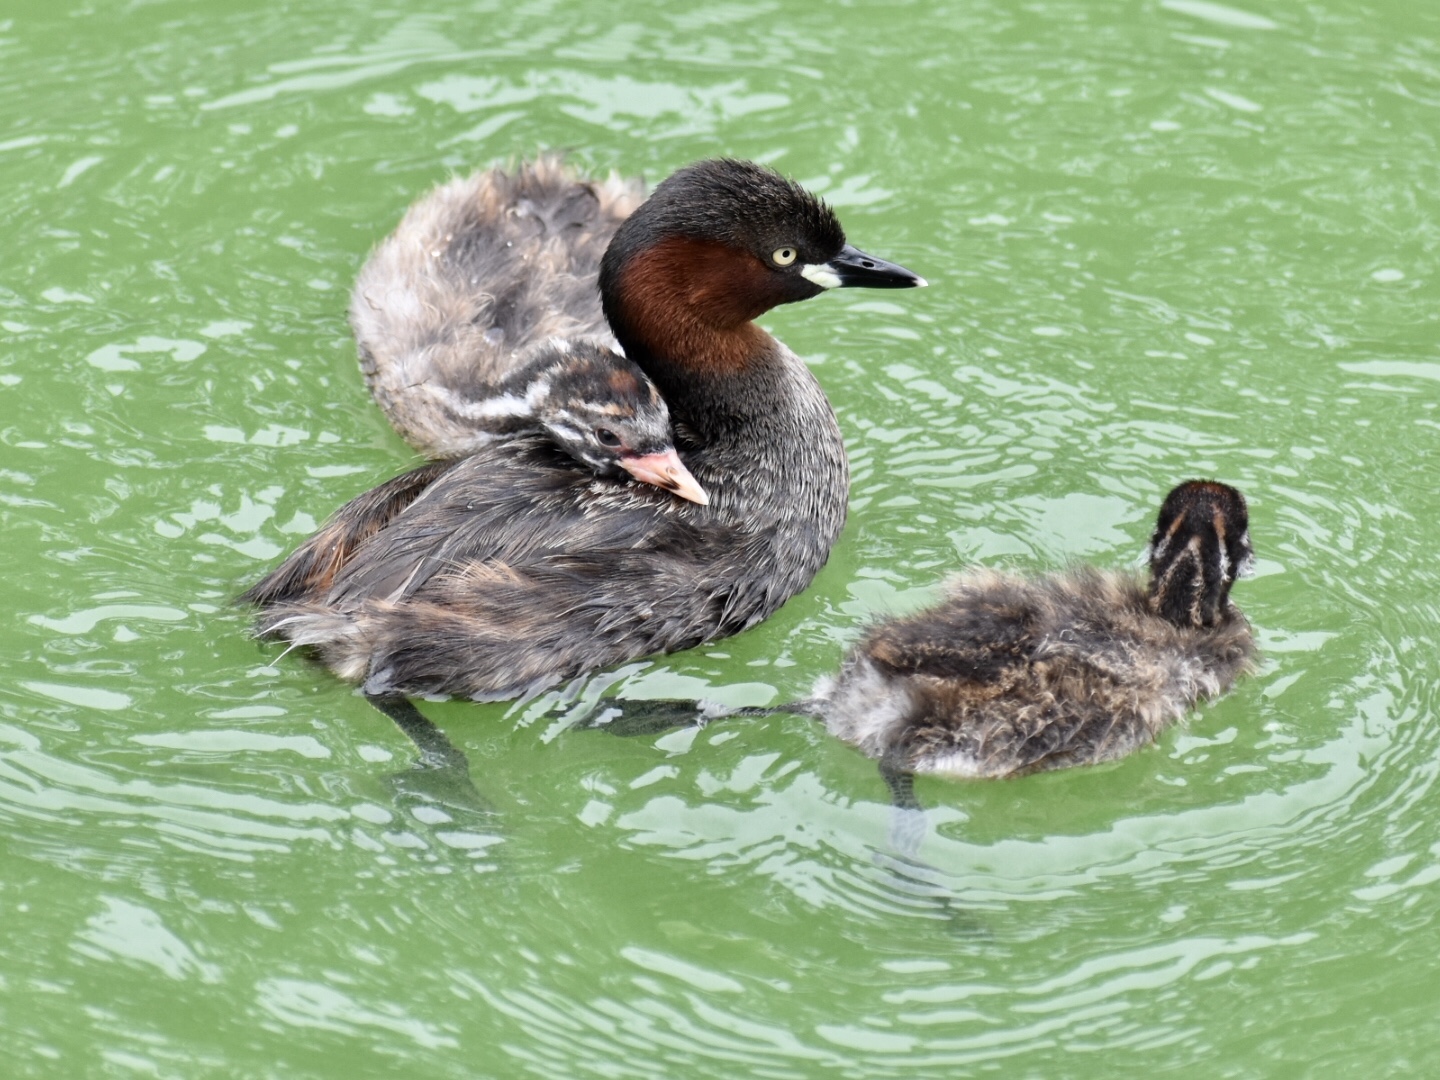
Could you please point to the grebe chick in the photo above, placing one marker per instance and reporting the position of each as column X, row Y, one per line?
column 1011, row 675
column 478, row 318
column 593, row 404
column 500, row 572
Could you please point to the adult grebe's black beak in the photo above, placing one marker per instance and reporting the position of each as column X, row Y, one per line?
column 853, row 269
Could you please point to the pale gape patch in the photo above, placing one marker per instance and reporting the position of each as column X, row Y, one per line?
column 821, row 274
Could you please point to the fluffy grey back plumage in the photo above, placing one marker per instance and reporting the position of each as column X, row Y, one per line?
column 1011, row 675
column 477, row 277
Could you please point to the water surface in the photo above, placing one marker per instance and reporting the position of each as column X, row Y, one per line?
column 1165, row 239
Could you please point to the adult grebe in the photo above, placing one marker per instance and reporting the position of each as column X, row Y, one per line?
column 510, row 569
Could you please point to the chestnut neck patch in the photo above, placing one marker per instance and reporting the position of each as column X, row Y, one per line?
column 691, row 304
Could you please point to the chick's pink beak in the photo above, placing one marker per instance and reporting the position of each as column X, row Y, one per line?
column 665, row 471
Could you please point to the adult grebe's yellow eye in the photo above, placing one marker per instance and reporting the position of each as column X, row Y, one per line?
column 784, row 256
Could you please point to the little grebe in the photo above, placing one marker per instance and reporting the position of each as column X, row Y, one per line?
column 1011, row 675
column 513, row 568
column 478, row 318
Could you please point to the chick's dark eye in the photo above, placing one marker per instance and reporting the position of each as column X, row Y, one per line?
column 607, row 437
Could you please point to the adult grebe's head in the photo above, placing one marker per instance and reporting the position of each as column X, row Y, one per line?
column 718, row 244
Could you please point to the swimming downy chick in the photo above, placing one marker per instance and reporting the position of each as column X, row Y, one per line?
column 495, row 574
column 478, row 319
column 1011, row 675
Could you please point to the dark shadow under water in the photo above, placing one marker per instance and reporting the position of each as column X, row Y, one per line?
column 441, row 775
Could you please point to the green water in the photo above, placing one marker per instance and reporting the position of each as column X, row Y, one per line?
column 1165, row 239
